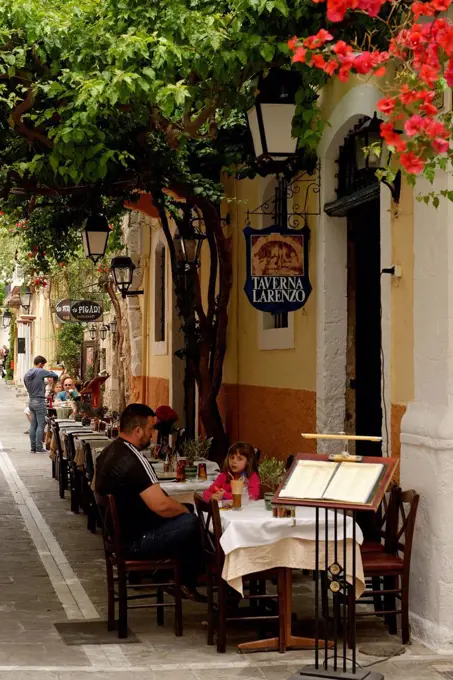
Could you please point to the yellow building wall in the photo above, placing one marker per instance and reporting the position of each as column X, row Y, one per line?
column 268, row 396
column 43, row 340
column 402, row 313
column 153, row 386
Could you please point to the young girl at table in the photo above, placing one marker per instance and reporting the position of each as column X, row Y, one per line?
column 240, row 463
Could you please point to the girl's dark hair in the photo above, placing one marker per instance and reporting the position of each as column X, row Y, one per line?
column 246, row 450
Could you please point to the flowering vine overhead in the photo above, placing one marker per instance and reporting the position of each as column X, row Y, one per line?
column 419, row 50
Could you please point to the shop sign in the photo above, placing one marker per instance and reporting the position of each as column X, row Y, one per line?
column 86, row 310
column 63, row 310
column 277, row 268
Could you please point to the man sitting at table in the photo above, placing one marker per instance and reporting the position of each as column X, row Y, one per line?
column 153, row 525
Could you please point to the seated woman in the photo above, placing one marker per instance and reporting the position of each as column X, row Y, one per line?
column 69, row 392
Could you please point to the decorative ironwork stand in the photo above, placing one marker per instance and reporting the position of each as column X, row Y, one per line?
column 335, row 572
column 300, row 189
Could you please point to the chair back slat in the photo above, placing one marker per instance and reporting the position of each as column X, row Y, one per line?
column 211, row 530
column 111, row 529
column 406, row 526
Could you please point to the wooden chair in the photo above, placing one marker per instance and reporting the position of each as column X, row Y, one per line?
column 88, row 498
column 391, row 566
column 218, row 616
column 386, row 521
column 120, row 569
column 72, row 471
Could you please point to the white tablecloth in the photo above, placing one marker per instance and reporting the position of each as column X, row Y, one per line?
column 253, row 540
column 191, row 486
column 254, row 525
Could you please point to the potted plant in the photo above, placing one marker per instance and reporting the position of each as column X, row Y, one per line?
column 192, row 450
column 271, row 472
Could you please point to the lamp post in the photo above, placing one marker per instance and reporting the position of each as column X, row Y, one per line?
column 6, row 319
column 25, row 299
column 92, row 332
column 113, row 326
column 123, row 271
column 95, row 236
column 103, row 331
column 270, row 123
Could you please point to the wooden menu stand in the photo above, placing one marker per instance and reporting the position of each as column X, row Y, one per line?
column 331, row 519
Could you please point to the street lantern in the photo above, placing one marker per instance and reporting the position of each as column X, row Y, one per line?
column 95, row 236
column 371, row 151
column 270, row 118
column 92, row 331
column 123, row 272
column 6, row 319
column 25, row 299
column 103, row 331
column 113, row 326
column 188, row 248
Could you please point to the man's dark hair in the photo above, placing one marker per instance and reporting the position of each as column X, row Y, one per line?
column 39, row 360
column 135, row 415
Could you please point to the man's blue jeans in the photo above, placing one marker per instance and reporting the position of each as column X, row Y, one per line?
column 38, row 419
column 176, row 538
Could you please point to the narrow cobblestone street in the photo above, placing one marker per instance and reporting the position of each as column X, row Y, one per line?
column 52, row 571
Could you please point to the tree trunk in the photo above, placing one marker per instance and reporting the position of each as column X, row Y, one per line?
column 120, row 343
column 205, row 342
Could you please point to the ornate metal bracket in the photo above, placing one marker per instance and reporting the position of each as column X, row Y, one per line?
column 304, row 187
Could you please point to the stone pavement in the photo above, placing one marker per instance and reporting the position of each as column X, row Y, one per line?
column 52, row 571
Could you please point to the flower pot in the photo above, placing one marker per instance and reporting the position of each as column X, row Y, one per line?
column 268, row 500
column 191, row 471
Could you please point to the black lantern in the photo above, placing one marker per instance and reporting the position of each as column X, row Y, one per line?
column 6, row 319
column 270, row 119
column 95, row 236
column 92, row 331
column 123, row 272
column 188, row 248
column 25, row 299
column 371, row 151
column 113, row 326
column 103, row 331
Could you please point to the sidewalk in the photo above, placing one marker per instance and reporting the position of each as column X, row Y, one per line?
column 52, row 571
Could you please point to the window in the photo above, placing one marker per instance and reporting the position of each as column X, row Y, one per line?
column 280, row 320
column 159, row 293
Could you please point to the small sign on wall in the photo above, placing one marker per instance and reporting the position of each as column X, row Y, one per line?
column 21, row 345
column 277, row 268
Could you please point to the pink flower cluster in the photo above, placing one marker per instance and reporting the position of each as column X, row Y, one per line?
column 425, row 47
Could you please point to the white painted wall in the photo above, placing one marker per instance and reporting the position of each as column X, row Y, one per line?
column 331, row 270
column 427, row 427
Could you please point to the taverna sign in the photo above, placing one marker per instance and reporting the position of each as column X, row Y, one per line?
column 277, row 268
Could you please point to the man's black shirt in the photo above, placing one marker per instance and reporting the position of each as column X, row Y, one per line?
column 121, row 470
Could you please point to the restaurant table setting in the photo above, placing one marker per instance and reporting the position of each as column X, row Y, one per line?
column 254, row 540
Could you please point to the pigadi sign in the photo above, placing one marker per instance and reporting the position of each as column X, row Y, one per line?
column 277, row 268
column 78, row 310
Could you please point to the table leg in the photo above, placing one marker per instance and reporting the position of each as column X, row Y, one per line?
column 291, row 641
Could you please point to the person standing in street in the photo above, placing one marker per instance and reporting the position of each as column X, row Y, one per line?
column 34, row 382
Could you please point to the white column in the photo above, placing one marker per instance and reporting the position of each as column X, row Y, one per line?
column 427, row 427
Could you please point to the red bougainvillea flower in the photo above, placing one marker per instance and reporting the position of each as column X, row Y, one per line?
column 165, row 414
column 386, row 105
column 411, row 163
column 299, row 55
column 392, row 137
column 414, row 125
column 440, row 145
column 317, row 40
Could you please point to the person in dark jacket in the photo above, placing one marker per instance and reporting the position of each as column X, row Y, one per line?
column 34, row 382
